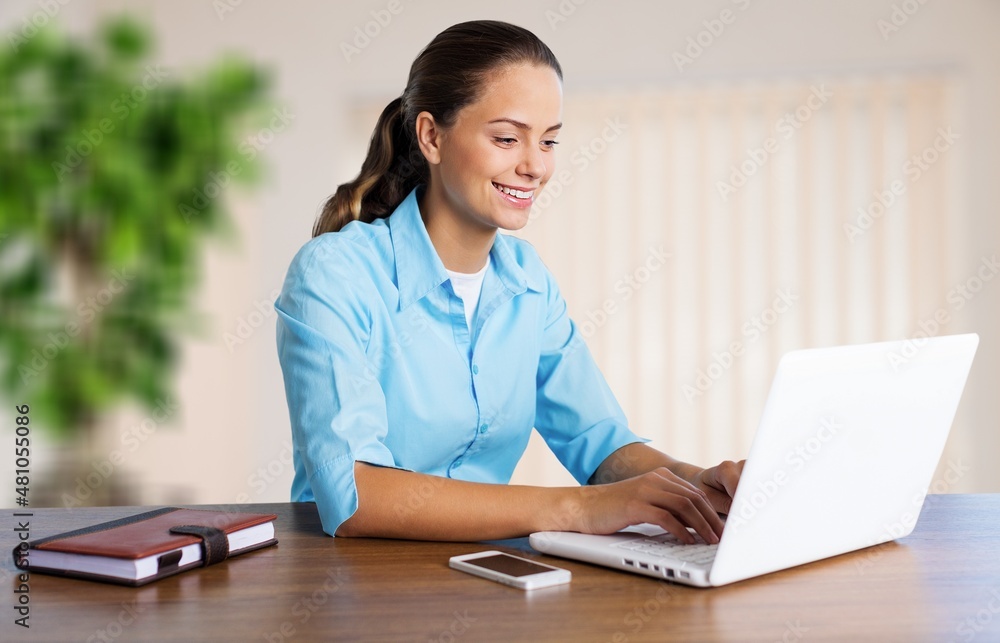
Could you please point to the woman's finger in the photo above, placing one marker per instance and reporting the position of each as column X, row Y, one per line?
column 692, row 508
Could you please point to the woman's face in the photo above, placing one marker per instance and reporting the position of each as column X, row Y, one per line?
column 499, row 153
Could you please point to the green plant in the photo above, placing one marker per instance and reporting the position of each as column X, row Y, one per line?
column 103, row 156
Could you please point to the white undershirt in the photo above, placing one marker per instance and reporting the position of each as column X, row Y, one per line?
column 468, row 286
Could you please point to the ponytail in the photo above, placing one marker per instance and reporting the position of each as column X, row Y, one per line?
column 447, row 75
column 389, row 172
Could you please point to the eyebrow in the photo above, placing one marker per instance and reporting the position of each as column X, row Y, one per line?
column 520, row 125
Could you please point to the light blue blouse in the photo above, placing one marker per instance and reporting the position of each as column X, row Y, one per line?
column 380, row 366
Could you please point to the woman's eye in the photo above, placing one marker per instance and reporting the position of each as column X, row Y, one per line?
column 511, row 141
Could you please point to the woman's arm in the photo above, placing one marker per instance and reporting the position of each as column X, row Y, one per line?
column 393, row 503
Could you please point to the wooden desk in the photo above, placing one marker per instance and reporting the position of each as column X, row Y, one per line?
column 941, row 583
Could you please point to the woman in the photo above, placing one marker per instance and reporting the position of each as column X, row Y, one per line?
column 419, row 347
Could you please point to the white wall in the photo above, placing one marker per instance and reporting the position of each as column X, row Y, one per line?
column 234, row 403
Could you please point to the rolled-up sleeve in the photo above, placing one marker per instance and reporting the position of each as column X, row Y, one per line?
column 335, row 402
column 576, row 412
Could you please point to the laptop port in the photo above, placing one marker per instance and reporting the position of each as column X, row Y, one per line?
column 685, row 575
column 670, row 573
column 630, row 563
column 644, row 565
column 656, row 568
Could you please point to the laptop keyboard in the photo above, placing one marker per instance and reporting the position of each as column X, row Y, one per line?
column 668, row 546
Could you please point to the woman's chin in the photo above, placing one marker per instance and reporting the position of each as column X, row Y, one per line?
column 513, row 219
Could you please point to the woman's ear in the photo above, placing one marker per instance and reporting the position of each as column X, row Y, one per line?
column 429, row 137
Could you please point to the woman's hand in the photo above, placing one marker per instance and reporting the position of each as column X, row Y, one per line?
column 719, row 483
column 659, row 497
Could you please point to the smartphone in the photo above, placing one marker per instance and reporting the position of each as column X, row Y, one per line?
column 510, row 570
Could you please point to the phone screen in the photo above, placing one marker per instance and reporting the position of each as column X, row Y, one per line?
column 509, row 565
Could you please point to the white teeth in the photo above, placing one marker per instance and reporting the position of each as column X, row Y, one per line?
column 516, row 193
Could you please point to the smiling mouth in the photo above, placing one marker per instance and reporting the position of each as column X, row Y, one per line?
column 517, row 194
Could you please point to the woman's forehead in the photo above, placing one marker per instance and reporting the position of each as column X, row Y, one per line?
column 528, row 94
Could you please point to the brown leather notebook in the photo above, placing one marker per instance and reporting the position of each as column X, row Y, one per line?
column 140, row 549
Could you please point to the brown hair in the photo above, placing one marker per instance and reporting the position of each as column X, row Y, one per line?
column 446, row 76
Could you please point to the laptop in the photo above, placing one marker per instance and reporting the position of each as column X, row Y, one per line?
column 842, row 459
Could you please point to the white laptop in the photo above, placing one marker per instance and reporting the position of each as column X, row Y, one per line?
column 843, row 457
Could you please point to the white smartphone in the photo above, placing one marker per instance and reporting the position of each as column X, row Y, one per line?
column 510, row 570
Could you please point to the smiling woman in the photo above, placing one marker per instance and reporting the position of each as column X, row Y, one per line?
column 420, row 347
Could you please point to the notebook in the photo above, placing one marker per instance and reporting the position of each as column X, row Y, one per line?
column 148, row 546
column 842, row 459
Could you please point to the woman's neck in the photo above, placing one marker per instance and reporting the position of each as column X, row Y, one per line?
column 463, row 245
